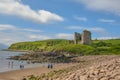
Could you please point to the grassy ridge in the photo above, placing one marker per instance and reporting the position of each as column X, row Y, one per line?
column 112, row 41
column 111, row 46
column 60, row 45
column 46, row 45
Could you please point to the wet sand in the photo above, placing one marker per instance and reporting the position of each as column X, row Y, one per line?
column 20, row 74
column 101, row 67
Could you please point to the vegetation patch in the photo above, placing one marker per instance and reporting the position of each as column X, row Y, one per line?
column 59, row 50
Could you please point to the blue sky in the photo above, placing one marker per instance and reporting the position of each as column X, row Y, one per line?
column 31, row 20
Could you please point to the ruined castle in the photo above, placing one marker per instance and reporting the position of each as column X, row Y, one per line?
column 84, row 38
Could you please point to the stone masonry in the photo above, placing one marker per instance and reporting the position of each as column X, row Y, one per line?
column 84, row 38
column 77, row 37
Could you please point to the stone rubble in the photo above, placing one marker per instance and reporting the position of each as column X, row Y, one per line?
column 103, row 69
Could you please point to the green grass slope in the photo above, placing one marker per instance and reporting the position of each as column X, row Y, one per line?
column 110, row 46
column 112, row 41
column 98, row 47
column 45, row 45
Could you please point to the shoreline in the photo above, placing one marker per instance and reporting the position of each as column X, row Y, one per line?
column 20, row 74
column 74, row 70
column 15, row 50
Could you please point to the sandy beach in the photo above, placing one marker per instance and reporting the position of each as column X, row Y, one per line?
column 20, row 74
column 101, row 67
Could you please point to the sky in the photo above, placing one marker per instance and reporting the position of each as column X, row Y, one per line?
column 33, row 20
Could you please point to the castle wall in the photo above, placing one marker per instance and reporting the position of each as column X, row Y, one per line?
column 77, row 37
column 84, row 38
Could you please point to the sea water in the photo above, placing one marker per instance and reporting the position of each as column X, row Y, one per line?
column 8, row 65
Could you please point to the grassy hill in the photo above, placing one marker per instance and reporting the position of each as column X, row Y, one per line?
column 98, row 47
column 112, row 41
column 110, row 46
column 45, row 45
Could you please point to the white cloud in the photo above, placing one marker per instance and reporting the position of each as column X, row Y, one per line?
column 97, row 32
column 112, row 6
column 7, row 27
column 11, row 34
column 97, row 29
column 105, row 38
column 76, row 27
column 93, row 29
column 31, row 30
column 20, row 0
column 106, row 20
column 80, row 18
column 64, row 36
column 14, row 7
column 14, row 28
column 12, row 37
column 40, row 37
column 20, row 36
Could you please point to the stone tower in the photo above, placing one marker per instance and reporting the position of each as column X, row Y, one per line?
column 77, row 37
column 86, row 37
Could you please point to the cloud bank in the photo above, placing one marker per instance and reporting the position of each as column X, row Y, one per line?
column 16, row 8
column 112, row 6
column 93, row 29
column 12, row 34
column 106, row 20
column 80, row 18
column 64, row 36
column 4, row 27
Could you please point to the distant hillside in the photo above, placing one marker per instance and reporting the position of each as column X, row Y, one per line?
column 112, row 41
column 55, row 45
column 3, row 46
column 45, row 45
column 67, row 46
